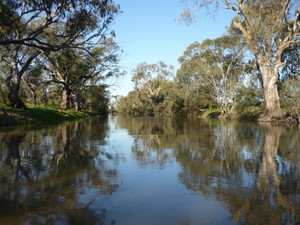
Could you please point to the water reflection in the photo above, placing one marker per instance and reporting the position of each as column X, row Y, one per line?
column 45, row 174
column 253, row 170
column 151, row 171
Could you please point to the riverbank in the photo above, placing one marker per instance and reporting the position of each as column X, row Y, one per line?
column 248, row 114
column 39, row 115
column 245, row 114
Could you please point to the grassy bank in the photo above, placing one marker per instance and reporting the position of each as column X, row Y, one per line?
column 38, row 115
column 242, row 114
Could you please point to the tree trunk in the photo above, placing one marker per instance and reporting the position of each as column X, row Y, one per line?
column 273, row 111
column 13, row 95
column 13, row 81
column 78, row 102
column 33, row 92
column 34, row 98
column 65, row 99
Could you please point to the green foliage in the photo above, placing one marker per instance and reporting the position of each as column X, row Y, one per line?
column 152, row 94
column 249, row 94
column 131, row 104
column 270, row 28
column 289, row 77
column 211, row 72
column 69, row 23
column 3, row 92
column 72, row 72
column 58, row 53
column 219, row 73
column 95, row 98
column 249, row 113
column 65, row 43
column 290, row 97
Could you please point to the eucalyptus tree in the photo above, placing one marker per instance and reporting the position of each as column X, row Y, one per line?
column 148, row 82
column 75, row 69
column 196, row 92
column 130, row 104
column 16, row 60
column 149, row 77
column 43, row 26
column 268, row 27
column 95, row 98
column 215, row 65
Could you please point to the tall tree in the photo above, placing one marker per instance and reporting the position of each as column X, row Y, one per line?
column 44, row 26
column 268, row 27
column 148, row 80
column 197, row 92
column 217, row 64
column 74, row 69
column 95, row 98
column 16, row 60
column 34, row 87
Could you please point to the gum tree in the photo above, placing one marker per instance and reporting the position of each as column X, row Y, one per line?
column 74, row 70
column 269, row 28
column 148, row 82
column 41, row 26
column 215, row 65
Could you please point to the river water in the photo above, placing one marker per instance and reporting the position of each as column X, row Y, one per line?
column 150, row 171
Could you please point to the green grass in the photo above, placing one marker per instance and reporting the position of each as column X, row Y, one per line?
column 39, row 115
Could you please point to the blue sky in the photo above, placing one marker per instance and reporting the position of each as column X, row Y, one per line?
column 147, row 31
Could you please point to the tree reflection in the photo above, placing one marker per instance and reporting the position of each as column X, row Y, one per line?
column 45, row 174
column 253, row 170
column 13, row 159
column 156, row 138
column 248, row 183
column 266, row 201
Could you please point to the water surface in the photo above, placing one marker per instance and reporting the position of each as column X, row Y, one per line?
column 150, row 171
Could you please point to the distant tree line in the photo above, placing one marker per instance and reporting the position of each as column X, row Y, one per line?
column 57, row 53
column 256, row 64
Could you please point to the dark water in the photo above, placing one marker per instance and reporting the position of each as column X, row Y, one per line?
column 146, row 171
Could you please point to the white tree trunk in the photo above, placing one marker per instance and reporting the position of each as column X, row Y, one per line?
column 65, row 100
column 273, row 110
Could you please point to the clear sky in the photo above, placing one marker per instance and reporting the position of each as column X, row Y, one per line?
column 147, row 31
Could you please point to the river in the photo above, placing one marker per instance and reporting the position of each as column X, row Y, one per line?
column 150, row 171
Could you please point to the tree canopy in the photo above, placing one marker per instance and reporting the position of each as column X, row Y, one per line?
column 269, row 28
column 36, row 32
column 52, row 25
